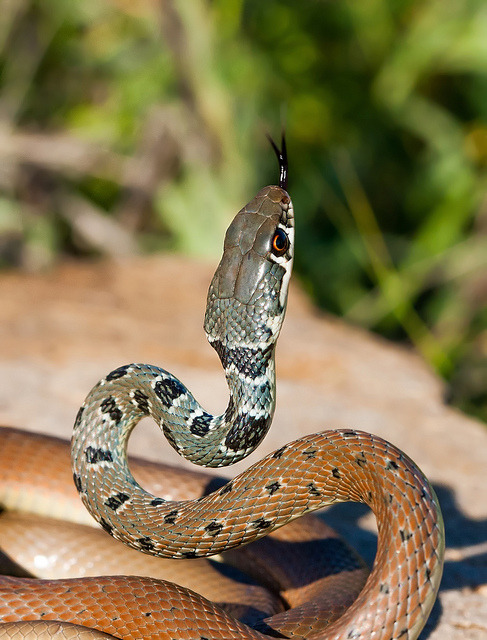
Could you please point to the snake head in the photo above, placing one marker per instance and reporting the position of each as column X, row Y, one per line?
column 248, row 294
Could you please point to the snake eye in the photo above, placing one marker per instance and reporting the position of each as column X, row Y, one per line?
column 280, row 242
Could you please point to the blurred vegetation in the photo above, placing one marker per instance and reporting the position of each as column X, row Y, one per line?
column 130, row 127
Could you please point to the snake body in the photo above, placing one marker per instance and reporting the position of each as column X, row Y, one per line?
column 245, row 310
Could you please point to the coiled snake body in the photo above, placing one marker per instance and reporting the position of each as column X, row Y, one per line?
column 246, row 304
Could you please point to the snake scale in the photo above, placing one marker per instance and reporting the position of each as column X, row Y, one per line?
column 245, row 310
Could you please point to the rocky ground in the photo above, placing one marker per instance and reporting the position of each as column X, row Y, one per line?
column 62, row 331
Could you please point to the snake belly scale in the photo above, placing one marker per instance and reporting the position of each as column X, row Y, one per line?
column 245, row 310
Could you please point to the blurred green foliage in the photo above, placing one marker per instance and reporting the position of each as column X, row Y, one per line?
column 129, row 127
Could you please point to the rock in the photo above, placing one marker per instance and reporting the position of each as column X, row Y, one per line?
column 60, row 332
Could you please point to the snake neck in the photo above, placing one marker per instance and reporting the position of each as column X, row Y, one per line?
column 118, row 402
column 250, row 374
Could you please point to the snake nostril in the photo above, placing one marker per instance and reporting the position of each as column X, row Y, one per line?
column 285, row 199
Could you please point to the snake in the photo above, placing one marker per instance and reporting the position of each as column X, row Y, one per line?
column 245, row 309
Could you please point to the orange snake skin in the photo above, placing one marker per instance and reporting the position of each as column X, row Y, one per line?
column 334, row 466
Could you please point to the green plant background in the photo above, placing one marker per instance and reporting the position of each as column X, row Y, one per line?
column 131, row 127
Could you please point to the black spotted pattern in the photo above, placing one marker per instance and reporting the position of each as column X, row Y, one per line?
column 141, row 400
column 109, row 406
column 116, row 501
column 118, row 373
column 94, row 455
column 168, row 390
column 391, row 465
column 278, row 453
column 156, row 502
column 146, row 543
column 262, row 523
column 273, row 487
column 240, row 437
column 248, row 361
column 313, row 489
column 170, row 518
column 200, row 425
column 213, row 528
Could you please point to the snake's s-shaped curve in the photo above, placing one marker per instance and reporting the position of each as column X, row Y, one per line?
column 244, row 313
column 246, row 305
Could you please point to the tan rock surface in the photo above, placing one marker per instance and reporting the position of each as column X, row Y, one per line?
column 60, row 332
